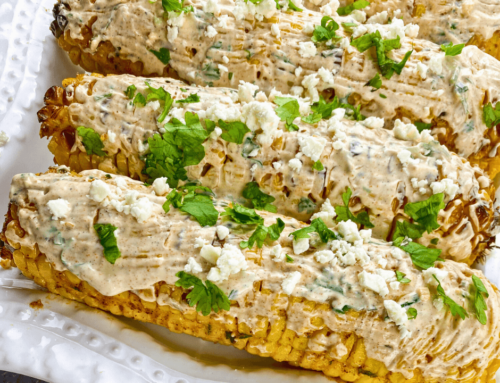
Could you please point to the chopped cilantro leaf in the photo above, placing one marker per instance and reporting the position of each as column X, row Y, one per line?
column 206, row 297
column 420, row 255
column 160, row 94
column 292, row 6
column 243, row 215
column 325, row 31
column 190, row 99
column 344, row 213
column 401, row 277
column 287, row 110
column 405, row 229
column 289, row 259
column 175, row 6
column 230, row 75
column 480, row 306
column 233, row 131
column 434, row 241
column 425, row 212
column 326, row 109
column 452, row 50
column 368, row 373
column 453, row 306
column 163, row 55
column 139, row 99
column 262, row 232
column 318, row 226
column 491, row 115
column 130, row 91
column 349, row 27
column 211, row 71
column 91, row 141
column 375, row 82
column 313, row 118
column 318, row 166
column 307, row 205
column 382, row 95
column 106, row 234
column 421, row 126
column 412, row 313
column 347, row 10
column 259, row 199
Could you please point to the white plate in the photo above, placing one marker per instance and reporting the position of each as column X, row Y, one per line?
column 66, row 341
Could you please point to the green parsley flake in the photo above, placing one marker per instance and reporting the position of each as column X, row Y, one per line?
column 307, row 205
column 420, row 255
column 426, row 212
column 243, row 215
column 375, row 82
column 452, row 50
column 130, row 91
column 176, row 6
column 259, row 199
column 139, row 100
column 262, row 232
column 325, row 31
column 401, row 277
column 347, row 10
column 91, row 141
column 161, row 95
column 211, row 71
column 318, row 166
column 453, row 306
column 192, row 98
column 312, row 119
column 491, row 115
column 317, row 226
column 344, row 213
column 412, row 313
column 480, row 306
column 289, row 259
column 106, row 234
column 206, row 297
column 163, row 55
column 234, row 131
column 287, row 110
column 421, row 126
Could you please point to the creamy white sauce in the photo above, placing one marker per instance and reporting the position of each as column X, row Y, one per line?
column 366, row 160
column 158, row 248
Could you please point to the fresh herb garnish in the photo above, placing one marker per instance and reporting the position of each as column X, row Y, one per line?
column 420, row 255
column 349, row 27
column 312, row 119
column 480, row 306
column 291, row 6
column 421, row 126
column 91, row 141
column 452, row 50
column 243, row 215
column 405, row 229
column 211, row 71
column 307, row 205
column 453, row 306
column 401, row 277
column 180, row 146
column 317, row 226
column 233, row 131
column 325, row 31
column 425, row 212
column 347, row 10
column 491, row 115
column 190, row 99
column 434, row 241
column 176, row 6
column 162, row 95
column 387, row 66
column 287, row 110
column 130, row 91
column 344, row 213
column 106, row 234
column 318, row 166
column 262, row 232
column 99, row 98
column 206, row 297
column 375, row 82
column 259, row 199
column 289, row 259
column 163, row 55
column 325, row 109
column 139, row 99
column 412, row 313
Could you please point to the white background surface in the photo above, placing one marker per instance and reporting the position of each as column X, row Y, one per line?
column 68, row 342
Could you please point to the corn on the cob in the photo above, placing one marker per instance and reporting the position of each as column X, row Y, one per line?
column 268, row 316
column 369, row 161
column 471, row 23
column 448, row 92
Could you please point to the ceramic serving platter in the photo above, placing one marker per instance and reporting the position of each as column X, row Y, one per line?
column 64, row 341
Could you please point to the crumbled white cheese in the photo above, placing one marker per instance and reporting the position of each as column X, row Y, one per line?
column 310, row 82
column 407, row 132
column 345, row 44
column 398, row 315
column 160, row 186
column 483, row 181
column 249, row 10
column 422, row 70
column 223, row 19
column 446, row 186
column 300, row 245
column 200, row 242
column 216, row 133
column 223, row 112
column 373, row 282
column 312, row 146
column 277, row 165
column 230, row 261
column 246, row 91
column 411, row 30
column 397, row 253
column 405, row 158
column 172, row 33
column 192, row 266
column 290, row 282
column 261, row 115
column 141, row 209
column 222, row 68
column 211, row 32
column 326, row 213
column 261, row 97
column 324, row 256
column 388, row 275
column 111, row 136
column 348, row 254
column 326, row 76
column 378, row 18
column 210, row 253
column 395, row 285
column 298, row 71
column 358, row 15
column 307, row 49
column 99, row 190
column 212, row 6
column 296, row 90
column 275, row 30
column 349, row 231
column 225, row 59
column 373, row 123
column 365, row 235
column 59, row 208
column 308, row 28
column 439, row 273
column 222, row 232
column 435, row 64
column 277, row 253
column 192, row 74
column 295, row 164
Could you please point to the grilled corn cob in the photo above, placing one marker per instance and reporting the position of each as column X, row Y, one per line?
column 278, row 309
column 472, row 23
column 371, row 162
column 447, row 92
